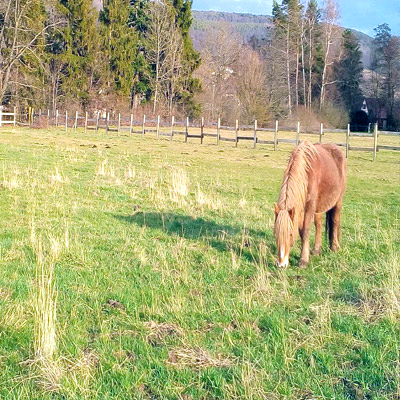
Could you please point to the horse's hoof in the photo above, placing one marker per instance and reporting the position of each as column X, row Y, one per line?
column 334, row 248
column 316, row 252
column 302, row 264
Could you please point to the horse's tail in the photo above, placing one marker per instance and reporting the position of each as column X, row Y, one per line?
column 329, row 225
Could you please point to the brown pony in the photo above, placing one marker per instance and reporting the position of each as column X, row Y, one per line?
column 314, row 182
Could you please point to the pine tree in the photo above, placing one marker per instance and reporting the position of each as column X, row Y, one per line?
column 282, row 41
column 138, row 20
column 349, row 71
column 120, row 43
column 191, row 58
column 81, row 55
column 386, row 64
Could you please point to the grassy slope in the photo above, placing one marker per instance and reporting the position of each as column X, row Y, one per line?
column 181, row 237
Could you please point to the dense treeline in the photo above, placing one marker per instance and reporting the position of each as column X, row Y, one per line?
column 65, row 52
column 138, row 53
column 306, row 66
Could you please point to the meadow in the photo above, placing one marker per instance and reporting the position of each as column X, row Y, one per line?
column 137, row 268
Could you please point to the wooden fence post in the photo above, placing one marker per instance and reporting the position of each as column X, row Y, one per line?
column 375, row 140
column 143, row 125
column 347, row 140
column 119, row 122
column 32, row 115
column 202, row 130
column 298, row 133
column 76, row 121
column 66, row 121
column 158, row 126
column 236, row 132
column 276, row 135
column 86, row 118
column 186, row 129
column 56, row 118
column 48, row 119
column 321, row 132
column 172, row 128
column 15, row 116
column 255, row 134
column 97, row 121
column 218, row 130
column 131, row 125
column 1, row 115
column 107, row 121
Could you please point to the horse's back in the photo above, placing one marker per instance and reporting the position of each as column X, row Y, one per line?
column 330, row 175
column 336, row 153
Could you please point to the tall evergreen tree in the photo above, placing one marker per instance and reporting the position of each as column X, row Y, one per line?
column 120, row 43
column 138, row 20
column 81, row 53
column 349, row 71
column 191, row 58
column 387, row 63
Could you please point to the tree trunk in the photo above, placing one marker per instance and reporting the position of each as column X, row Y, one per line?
column 297, row 79
column 288, row 71
column 302, row 65
column 310, row 66
column 324, row 70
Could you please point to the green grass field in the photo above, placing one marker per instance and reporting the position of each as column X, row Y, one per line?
column 136, row 268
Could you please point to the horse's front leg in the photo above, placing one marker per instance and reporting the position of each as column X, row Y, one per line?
column 318, row 233
column 305, row 238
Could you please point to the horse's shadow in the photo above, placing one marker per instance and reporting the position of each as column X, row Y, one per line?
column 222, row 237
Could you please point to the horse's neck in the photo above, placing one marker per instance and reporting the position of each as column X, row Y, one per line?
column 294, row 189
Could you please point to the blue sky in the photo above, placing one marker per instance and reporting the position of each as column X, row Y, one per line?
column 363, row 15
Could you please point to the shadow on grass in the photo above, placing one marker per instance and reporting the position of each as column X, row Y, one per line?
column 222, row 237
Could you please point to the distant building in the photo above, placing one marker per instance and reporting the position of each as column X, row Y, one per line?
column 376, row 112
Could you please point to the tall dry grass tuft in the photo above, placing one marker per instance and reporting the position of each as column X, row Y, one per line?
column 179, row 187
column 392, row 286
column 203, row 199
column 130, row 173
column 48, row 372
column 11, row 180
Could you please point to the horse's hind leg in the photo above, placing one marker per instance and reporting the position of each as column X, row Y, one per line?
column 318, row 233
column 334, row 236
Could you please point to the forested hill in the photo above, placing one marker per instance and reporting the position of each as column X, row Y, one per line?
column 249, row 25
column 246, row 25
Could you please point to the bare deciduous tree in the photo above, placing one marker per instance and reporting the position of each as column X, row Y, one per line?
column 21, row 36
column 331, row 35
column 164, row 50
column 252, row 88
column 221, row 52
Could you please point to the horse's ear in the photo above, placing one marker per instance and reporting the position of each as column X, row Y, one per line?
column 291, row 213
column 276, row 209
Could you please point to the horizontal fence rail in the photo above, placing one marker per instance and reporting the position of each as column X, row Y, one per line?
column 191, row 131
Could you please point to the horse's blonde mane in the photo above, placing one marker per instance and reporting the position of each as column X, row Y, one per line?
column 295, row 180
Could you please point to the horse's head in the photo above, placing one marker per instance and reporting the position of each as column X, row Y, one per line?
column 284, row 233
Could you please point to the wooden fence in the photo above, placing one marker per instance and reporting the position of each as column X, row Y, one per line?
column 170, row 129
column 8, row 118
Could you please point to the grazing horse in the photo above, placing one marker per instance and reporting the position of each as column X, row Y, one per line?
column 314, row 182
